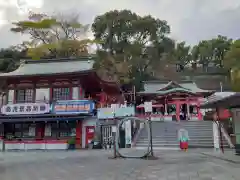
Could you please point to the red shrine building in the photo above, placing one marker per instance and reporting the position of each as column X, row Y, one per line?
column 47, row 103
column 172, row 101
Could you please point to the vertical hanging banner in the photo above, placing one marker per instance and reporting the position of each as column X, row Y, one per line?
column 148, row 106
column 128, row 133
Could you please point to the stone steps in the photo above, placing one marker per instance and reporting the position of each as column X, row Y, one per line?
column 164, row 134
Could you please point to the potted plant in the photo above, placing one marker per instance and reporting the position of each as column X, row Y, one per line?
column 71, row 143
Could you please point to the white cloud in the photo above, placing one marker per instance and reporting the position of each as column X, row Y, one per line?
column 190, row 20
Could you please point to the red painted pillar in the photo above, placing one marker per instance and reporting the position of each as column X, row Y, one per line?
column 200, row 116
column 50, row 94
column 70, row 93
column 80, row 93
column 178, row 110
column 14, row 96
column 79, row 134
column 103, row 99
column 40, row 128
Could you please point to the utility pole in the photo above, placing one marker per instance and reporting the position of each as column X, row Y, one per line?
column 219, row 129
column 148, row 110
column 114, row 131
column 150, row 129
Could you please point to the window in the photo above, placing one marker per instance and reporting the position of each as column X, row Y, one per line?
column 67, row 129
column 24, row 95
column 158, row 110
column 17, row 130
column 61, row 94
column 53, row 129
column 28, row 130
column 171, row 109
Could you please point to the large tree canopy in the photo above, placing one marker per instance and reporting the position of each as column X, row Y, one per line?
column 129, row 48
column 131, row 40
column 232, row 57
column 211, row 51
column 54, row 36
column 232, row 63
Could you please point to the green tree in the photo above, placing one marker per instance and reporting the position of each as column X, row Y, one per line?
column 232, row 63
column 211, row 51
column 111, row 69
column 181, row 55
column 131, row 39
column 221, row 46
column 54, row 36
column 10, row 58
column 231, row 58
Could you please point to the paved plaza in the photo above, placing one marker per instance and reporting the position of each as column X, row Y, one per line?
column 95, row 165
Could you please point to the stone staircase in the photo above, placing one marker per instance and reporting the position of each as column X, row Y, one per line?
column 164, row 134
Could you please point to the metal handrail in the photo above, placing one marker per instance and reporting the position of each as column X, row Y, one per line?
column 226, row 136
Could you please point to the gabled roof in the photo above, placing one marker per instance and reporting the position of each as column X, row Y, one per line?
column 156, row 87
column 170, row 85
column 167, row 91
column 51, row 67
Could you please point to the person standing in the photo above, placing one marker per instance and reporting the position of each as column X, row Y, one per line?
column 183, row 139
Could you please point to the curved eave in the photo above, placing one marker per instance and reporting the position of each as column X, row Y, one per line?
column 175, row 91
column 50, row 67
column 172, row 83
column 45, row 75
column 168, row 92
column 231, row 101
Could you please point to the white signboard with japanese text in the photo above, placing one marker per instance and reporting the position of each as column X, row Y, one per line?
column 128, row 132
column 114, row 107
column 148, row 106
column 25, row 108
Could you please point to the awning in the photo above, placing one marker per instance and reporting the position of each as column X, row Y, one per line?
column 231, row 101
column 43, row 117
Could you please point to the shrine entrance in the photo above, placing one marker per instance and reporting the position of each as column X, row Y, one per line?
column 183, row 112
column 172, row 101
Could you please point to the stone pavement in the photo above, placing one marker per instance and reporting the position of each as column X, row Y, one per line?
column 228, row 155
column 95, row 165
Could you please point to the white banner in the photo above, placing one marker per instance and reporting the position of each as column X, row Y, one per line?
column 25, row 108
column 128, row 132
column 216, row 136
column 148, row 106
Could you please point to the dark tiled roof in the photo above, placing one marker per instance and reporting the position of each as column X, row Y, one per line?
column 230, row 101
column 205, row 82
column 51, row 66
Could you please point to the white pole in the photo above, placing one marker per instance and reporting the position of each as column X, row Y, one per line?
column 134, row 94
